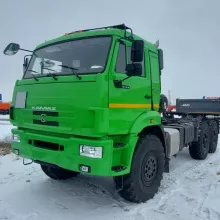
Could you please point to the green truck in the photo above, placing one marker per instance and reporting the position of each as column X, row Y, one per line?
column 89, row 102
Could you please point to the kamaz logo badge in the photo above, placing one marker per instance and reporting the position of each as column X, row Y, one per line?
column 41, row 108
column 43, row 118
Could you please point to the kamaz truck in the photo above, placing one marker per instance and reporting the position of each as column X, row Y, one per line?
column 89, row 102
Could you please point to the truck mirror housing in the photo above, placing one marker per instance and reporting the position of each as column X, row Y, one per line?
column 11, row 49
column 134, row 69
column 137, row 51
column 160, row 53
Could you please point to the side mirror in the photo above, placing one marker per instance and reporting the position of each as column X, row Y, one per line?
column 11, row 49
column 137, row 51
column 134, row 69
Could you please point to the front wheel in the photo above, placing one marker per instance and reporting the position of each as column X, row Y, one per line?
column 58, row 173
column 146, row 173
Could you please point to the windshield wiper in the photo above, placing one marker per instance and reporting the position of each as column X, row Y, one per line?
column 73, row 70
column 33, row 74
column 50, row 74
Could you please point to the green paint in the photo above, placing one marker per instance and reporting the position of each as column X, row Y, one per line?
column 84, row 115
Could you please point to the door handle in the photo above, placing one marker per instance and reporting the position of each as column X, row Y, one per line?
column 147, row 97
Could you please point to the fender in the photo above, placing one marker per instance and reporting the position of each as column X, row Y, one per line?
column 146, row 119
column 149, row 120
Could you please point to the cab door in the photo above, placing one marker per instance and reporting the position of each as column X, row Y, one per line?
column 134, row 98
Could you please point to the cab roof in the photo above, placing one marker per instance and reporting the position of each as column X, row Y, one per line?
column 117, row 30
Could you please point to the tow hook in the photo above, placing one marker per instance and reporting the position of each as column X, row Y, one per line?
column 28, row 162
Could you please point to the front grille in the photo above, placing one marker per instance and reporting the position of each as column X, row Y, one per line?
column 46, row 145
column 49, row 123
column 55, row 114
column 43, row 120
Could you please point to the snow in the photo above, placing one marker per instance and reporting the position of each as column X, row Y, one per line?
column 5, row 127
column 190, row 191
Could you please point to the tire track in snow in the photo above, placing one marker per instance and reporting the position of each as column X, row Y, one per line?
column 162, row 206
column 171, row 186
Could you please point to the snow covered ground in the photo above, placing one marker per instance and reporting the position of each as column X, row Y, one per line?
column 5, row 127
column 190, row 191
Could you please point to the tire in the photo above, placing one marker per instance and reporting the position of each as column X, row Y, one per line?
column 163, row 103
column 58, row 173
column 147, row 168
column 213, row 137
column 199, row 150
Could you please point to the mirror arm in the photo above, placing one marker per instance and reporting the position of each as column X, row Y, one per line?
column 31, row 51
column 126, row 78
column 26, row 50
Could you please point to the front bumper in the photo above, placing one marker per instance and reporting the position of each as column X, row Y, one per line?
column 67, row 155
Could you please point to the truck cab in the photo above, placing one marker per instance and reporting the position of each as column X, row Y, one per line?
column 85, row 100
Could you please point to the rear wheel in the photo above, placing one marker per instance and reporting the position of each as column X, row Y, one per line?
column 58, row 173
column 146, row 173
column 213, row 136
column 199, row 150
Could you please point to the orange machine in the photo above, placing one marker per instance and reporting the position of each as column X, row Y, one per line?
column 4, row 108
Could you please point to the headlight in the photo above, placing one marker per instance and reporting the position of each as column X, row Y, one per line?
column 89, row 151
column 16, row 138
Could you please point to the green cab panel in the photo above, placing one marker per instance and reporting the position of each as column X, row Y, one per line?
column 65, row 103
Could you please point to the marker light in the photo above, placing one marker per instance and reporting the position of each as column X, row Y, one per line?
column 16, row 138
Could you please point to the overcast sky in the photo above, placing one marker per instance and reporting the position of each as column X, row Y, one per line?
column 189, row 34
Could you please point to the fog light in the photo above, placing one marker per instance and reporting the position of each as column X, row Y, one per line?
column 16, row 151
column 16, row 138
column 89, row 151
column 85, row 169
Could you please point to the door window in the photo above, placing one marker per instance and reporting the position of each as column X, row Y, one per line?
column 121, row 59
column 124, row 58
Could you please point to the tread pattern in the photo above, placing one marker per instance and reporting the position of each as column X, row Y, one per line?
column 196, row 149
column 213, row 139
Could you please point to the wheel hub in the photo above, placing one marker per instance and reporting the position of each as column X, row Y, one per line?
column 150, row 169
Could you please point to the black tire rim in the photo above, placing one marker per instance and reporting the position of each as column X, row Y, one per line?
column 149, row 169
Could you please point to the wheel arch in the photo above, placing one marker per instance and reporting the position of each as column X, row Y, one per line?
column 156, row 130
column 149, row 123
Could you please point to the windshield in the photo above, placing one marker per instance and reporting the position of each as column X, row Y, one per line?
column 84, row 56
